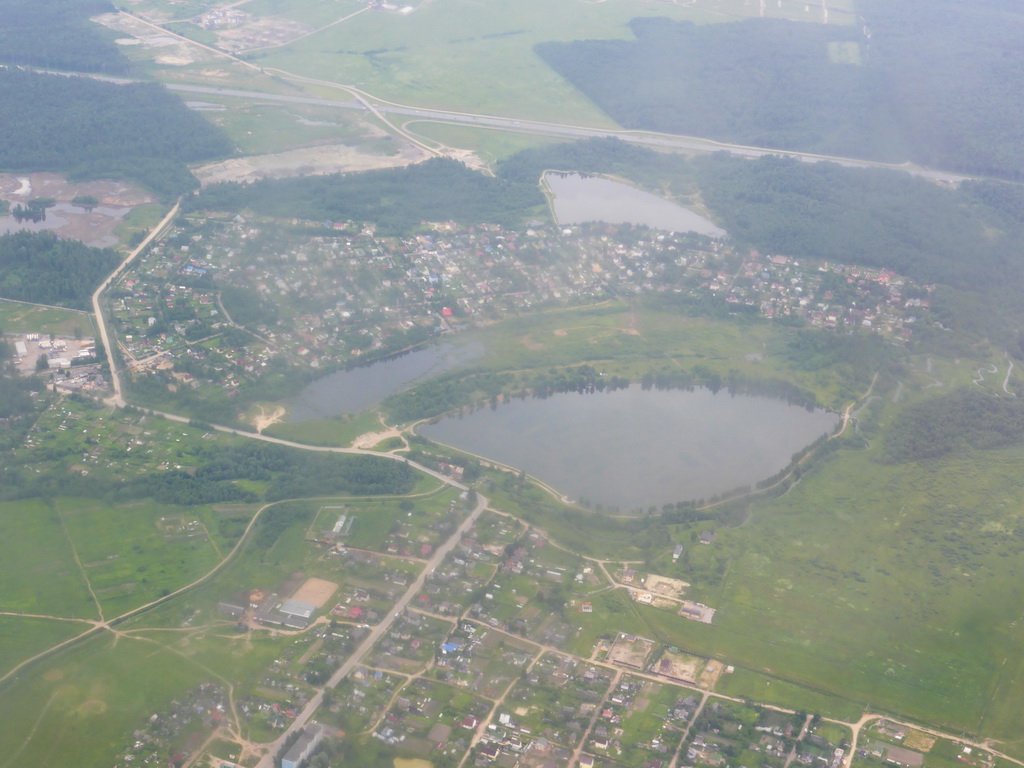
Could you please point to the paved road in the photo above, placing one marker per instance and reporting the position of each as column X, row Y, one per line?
column 368, row 103
column 660, row 140
column 101, row 323
column 376, row 633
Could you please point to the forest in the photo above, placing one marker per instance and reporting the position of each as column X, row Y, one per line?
column 91, row 129
column 932, row 81
column 42, row 268
column 962, row 420
column 397, row 200
column 57, row 34
column 878, row 218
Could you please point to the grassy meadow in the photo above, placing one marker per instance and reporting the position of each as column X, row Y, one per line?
column 260, row 128
column 38, row 569
column 21, row 638
column 479, row 57
column 80, row 706
column 136, row 552
column 19, row 317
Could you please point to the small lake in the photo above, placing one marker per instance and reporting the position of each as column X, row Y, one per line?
column 580, row 199
column 633, row 448
column 357, row 389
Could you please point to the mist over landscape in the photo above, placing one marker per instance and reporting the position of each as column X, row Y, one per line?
column 527, row 383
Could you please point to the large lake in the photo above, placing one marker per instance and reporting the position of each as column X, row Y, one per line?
column 357, row 389
column 579, row 199
column 633, row 448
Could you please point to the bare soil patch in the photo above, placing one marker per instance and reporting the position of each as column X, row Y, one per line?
column 266, row 417
column 709, row 677
column 631, row 651
column 91, row 707
column 665, row 586
column 528, row 342
column 315, row 592
column 307, row 161
column 680, row 666
column 920, row 741
column 262, row 32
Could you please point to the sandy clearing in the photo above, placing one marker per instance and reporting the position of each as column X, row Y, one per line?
column 370, row 439
column 315, row 592
column 308, row 161
column 266, row 417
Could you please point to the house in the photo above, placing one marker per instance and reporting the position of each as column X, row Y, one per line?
column 708, row 537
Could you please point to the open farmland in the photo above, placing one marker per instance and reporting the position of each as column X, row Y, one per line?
column 478, row 58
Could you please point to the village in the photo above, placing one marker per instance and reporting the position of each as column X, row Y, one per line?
column 512, row 654
column 224, row 300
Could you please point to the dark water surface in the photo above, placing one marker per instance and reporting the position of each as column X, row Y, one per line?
column 356, row 389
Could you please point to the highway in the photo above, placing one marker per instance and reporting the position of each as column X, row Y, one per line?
column 559, row 130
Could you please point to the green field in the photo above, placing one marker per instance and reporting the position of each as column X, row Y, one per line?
column 479, row 57
column 339, row 431
column 39, row 572
column 22, row 638
column 757, row 687
column 132, row 553
column 81, row 706
column 259, row 128
column 18, row 317
column 893, row 587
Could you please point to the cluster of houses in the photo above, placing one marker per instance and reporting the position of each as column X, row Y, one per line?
column 163, row 739
column 353, row 295
column 828, row 295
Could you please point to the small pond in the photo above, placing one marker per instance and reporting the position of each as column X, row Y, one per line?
column 579, row 199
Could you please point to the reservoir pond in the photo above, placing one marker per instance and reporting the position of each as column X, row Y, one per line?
column 632, row 448
column 580, row 199
column 357, row 389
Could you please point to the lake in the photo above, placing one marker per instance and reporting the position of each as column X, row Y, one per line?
column 579, row 199
column 633, row 448
column 357, row 389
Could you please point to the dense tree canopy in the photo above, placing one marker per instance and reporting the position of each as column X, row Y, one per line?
column 93, row 129
column 933, row 81
column 57, row 34
column 873, row 217
column 965, row 419
column 40, row 267
column 396, row 199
